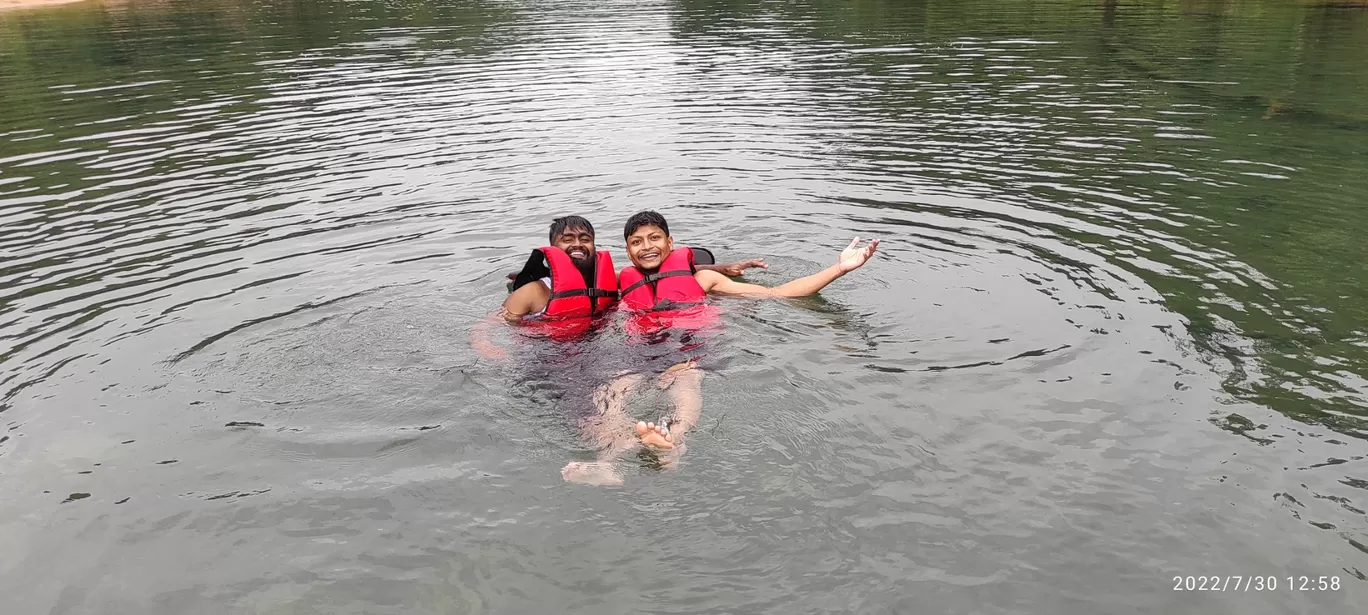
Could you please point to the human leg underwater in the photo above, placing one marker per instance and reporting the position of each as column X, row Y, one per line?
column 608, row 430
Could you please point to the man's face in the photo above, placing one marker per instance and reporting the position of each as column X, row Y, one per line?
column 648, row 246
column 578, row 243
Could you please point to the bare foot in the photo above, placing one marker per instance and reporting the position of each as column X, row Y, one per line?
column 597, row 474
column 654, row 436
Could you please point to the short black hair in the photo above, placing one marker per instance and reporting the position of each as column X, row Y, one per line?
column 645, row 218
column 560, row 225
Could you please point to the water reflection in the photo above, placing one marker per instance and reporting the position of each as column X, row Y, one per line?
column 1116, row 331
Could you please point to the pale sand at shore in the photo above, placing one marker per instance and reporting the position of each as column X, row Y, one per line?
column 24, row 4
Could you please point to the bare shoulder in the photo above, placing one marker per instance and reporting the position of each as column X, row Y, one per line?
column 708, row 278
column 530, row 298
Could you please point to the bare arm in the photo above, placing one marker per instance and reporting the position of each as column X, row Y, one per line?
column 480, row 337
column 851, row 259
column 734, row 269
column 529, row 299
column 714, row 282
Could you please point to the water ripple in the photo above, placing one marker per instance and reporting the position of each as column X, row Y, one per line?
column 1117, row 259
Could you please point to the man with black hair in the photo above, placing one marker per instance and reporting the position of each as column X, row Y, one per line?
column 574, row 235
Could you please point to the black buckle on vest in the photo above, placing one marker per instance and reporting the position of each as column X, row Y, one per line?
column 592, row 293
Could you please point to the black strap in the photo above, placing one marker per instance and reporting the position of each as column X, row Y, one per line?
column 651, row 279
column 665, row 305
column 592, row 293
column 535, row 269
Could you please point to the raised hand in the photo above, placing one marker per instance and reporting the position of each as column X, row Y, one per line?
column 853, row 257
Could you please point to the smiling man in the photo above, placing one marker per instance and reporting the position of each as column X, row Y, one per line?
column 589, row 290
column 572, row 260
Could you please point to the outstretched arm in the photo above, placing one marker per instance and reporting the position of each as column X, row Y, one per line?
column 734, row 269
column 851, row 258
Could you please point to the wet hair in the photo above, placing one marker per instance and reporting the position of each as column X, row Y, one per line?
column 645, row 218
column 560, row 225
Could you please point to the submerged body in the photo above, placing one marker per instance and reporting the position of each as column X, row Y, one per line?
column 664, row 293
column 562, row 295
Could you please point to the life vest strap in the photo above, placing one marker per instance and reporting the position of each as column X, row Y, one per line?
column 651, row 279
column 592, row 293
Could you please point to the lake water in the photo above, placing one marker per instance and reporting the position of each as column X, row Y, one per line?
column 1117, row 331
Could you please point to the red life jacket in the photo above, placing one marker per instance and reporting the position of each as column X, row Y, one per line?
column 668, row 298
column 574, row 304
